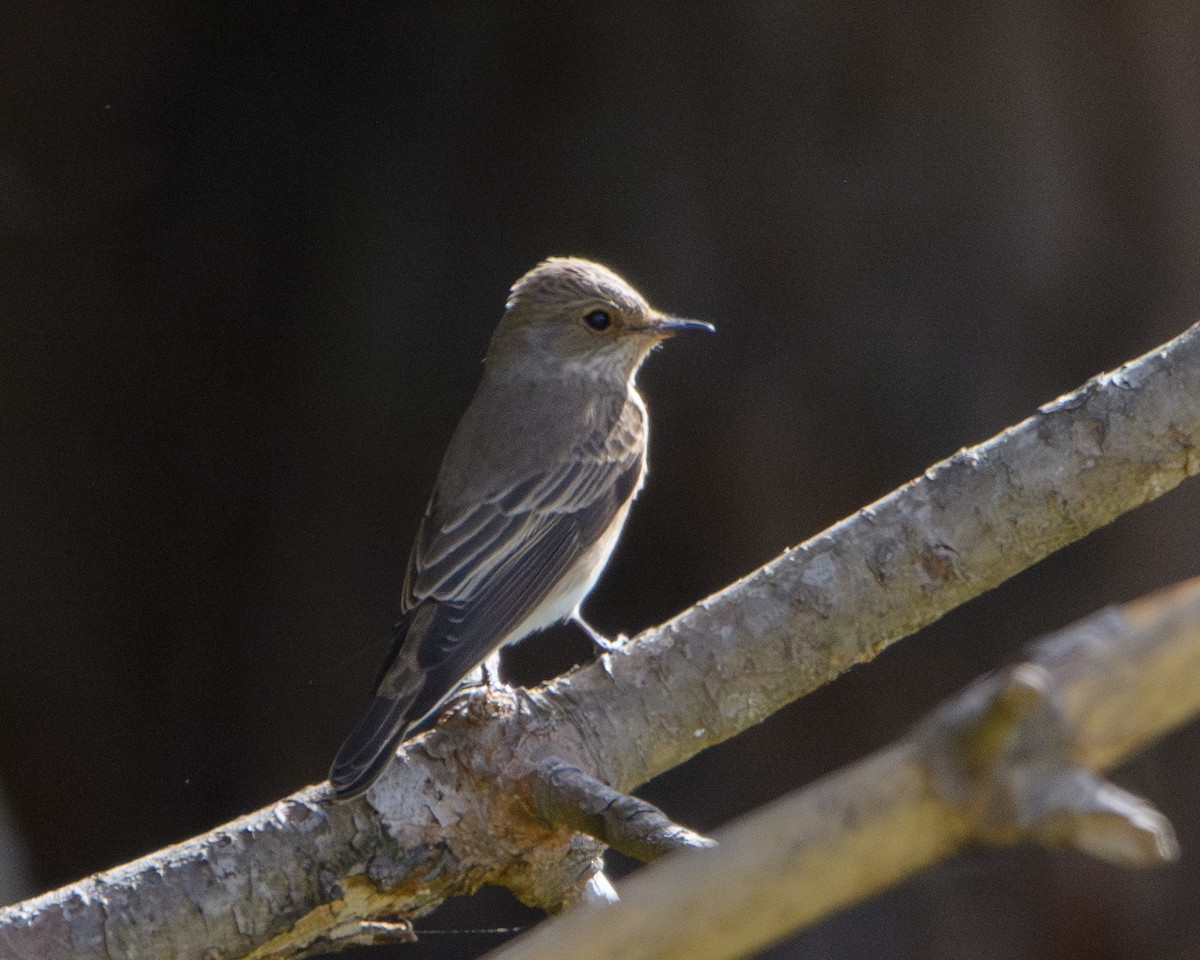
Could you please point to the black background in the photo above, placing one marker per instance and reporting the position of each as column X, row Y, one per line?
column 252, row 254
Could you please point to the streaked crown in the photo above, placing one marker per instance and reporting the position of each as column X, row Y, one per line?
column 560, row 283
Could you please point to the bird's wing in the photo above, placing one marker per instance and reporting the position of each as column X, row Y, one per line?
column 475, row 575
column 491, row 565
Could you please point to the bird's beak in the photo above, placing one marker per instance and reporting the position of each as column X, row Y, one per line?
column 669, row 326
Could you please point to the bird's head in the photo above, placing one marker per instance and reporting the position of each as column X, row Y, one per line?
column 574, row 315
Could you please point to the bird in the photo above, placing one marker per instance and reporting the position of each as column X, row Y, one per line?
column 531, row 497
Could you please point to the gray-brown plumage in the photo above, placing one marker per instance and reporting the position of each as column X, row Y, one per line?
column 531, row 497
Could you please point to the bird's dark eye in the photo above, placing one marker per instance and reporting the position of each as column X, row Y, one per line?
column 598, row 320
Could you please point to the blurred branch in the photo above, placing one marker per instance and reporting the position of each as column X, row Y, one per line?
column 457, row 811
column 1004, row 761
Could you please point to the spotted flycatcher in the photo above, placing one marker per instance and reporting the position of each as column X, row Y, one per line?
column 531, row 497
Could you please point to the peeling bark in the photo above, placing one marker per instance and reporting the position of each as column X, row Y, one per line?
column 456, row 810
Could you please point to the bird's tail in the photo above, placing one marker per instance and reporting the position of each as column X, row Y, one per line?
column 371, row 745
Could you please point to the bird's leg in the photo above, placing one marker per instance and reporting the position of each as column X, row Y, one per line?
column 491, row 667
column 490, row 670
column 486, row 675
column 601, row 642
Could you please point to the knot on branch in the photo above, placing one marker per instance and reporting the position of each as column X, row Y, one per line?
column 1002, row 754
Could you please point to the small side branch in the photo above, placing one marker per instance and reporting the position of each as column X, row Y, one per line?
column 1003, row 753
column 565, row 796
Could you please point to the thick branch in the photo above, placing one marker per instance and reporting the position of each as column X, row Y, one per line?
column 456, row 811
column 999, row 763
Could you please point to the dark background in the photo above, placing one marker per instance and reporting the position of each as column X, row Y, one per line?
column 252, row 255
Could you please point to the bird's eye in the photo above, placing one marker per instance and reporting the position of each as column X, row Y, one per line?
column 598, row 320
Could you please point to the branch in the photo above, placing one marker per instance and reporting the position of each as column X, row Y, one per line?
column 457, row 810
column 1007, row 760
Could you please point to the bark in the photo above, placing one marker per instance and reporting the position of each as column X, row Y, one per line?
column 1009, row 759
column 457, row 810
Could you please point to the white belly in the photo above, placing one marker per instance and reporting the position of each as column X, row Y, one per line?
column 576, row 584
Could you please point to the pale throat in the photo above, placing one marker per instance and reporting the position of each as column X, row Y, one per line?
column 607, row 366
